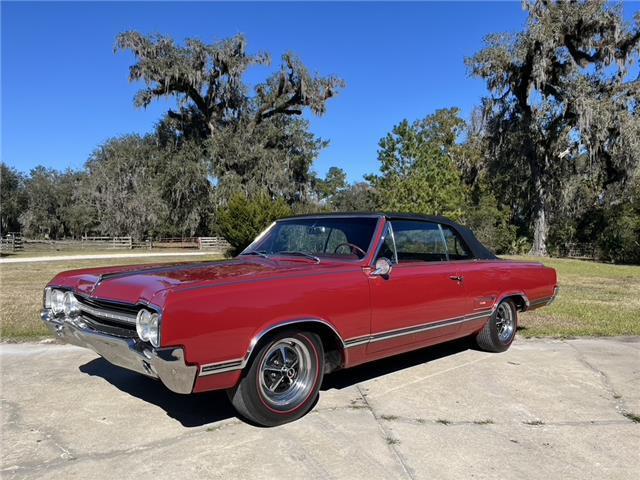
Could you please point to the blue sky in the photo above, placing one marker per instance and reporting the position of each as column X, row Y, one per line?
column 64, row 91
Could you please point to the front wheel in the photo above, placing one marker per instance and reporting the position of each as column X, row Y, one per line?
column 282, row 380
column 499, row 332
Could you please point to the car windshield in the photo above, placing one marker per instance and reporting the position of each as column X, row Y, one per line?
column 338, row 237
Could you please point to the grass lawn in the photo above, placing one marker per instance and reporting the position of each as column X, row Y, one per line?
column 94, row 251
column 595, row 298
column 21, row 286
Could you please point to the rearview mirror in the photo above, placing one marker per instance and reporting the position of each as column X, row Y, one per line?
column 382, row 267
column 316, row 230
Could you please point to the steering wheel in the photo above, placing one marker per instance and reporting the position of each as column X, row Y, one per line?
column 351, row 246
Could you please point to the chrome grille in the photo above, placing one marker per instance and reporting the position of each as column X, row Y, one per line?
column 109, row 311
column 112, row 318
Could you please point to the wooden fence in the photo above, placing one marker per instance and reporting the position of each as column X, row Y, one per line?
column 216, row 243
column 14, row 242
column 107, row 242
column 580, row 250
column 11, row 243
column 201, row 243
column 175, row 242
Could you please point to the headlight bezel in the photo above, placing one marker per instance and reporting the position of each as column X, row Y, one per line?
column 46, row 298
column 148, row 326
column 70, row 305
column 56, row 301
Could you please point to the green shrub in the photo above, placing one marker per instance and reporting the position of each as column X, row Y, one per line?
column 490, row 224
column 245, row 217
column 620, row 240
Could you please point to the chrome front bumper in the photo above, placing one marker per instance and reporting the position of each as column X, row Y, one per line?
column 165, row 364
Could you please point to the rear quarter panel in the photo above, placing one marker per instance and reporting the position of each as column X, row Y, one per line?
column 487, row 282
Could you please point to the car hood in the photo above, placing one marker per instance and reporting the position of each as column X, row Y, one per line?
column 150, row 283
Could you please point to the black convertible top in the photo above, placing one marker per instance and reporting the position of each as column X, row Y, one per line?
column 478, row 249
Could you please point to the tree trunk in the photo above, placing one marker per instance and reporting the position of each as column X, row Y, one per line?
column 540, row 225
column 540, row 229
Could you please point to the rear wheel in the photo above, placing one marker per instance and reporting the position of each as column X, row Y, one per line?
column 283, row 379
column 499, row 332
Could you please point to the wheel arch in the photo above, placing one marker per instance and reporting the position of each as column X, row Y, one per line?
column 519, row 298
column 332, row 342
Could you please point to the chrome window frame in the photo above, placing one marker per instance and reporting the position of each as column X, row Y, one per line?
column 378, row 218
column 444, row 242
column 388, row 230
column 461, row 240
column 395, row 248
column 389, row 225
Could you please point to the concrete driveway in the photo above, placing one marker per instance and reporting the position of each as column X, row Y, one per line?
column 544, row 409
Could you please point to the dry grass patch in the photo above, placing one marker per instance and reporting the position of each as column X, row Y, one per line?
column 596, row 299
column 21, row 286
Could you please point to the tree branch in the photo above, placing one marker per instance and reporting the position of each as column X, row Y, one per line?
column 284, row 107
column 581, row 58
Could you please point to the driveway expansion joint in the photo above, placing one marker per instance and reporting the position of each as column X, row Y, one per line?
column 618, row 400
column 387, row 436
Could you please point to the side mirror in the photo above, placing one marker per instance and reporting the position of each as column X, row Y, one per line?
column 382, row 267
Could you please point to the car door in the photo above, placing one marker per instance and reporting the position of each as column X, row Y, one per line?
column 481, row 279
column 422, row 297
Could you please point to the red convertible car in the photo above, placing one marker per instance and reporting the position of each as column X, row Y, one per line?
column 310, row 295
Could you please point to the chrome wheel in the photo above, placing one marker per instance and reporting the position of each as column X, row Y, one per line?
column 505, row 322
column 286, row 374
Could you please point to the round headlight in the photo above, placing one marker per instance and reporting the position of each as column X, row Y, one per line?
column 147, row 326
column 57, row 301
column 154, row 330
column 70, row 305
column 142, row 324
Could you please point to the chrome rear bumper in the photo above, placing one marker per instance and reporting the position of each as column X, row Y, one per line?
column 165, row 364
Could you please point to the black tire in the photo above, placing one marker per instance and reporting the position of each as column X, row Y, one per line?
column 492, row 338
column 293, row 394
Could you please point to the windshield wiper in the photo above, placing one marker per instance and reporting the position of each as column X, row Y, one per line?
column 260, row 253
column 302, row 254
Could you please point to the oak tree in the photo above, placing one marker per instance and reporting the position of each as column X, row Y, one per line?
column 560, row 90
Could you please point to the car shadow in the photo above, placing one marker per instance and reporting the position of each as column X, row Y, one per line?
column 368, row 371
column 200, row 409
column 193, row 410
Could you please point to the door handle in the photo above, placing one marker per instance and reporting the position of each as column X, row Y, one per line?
column 456, row 278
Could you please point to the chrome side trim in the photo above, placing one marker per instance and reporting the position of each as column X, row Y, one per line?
column 221, row 367
column 433, row 326
column 239, row 364
column 390, row 334
column 357, row 342
column 541, row 302
column 556, row 291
